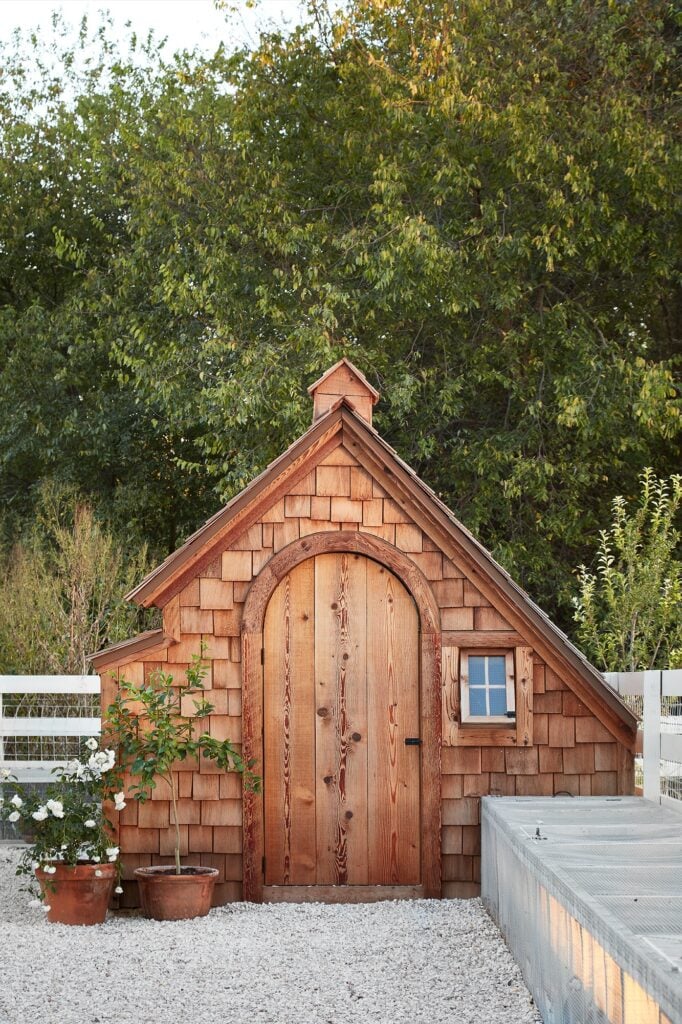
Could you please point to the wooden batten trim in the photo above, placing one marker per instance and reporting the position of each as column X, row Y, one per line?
column 240, row 514
column 341, row 893
column 450, row 703
column 454, row 734
column 431, row 767
column 130, row 650
column 626, row 770
column 475, row 638
column 253, row 815
column 523, row 682
column 108, row 693
column 453, row 539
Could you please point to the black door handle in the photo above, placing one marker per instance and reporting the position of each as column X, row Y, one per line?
column 412, row 741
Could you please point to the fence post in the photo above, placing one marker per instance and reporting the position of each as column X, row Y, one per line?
column 652, row 736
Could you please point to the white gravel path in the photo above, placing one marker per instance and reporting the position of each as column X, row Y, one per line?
column 422, row 962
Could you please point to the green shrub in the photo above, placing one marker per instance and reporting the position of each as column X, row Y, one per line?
column 629, row 610
column 62, row 587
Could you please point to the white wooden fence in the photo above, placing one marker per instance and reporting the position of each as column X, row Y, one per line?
column 11, row 726
column 661, row 728
column 661, row 740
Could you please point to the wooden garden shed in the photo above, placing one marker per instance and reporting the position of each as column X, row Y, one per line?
column 380, row 667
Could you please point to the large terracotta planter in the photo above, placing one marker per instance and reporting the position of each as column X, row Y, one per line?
column 77, row 895
column 167, row 896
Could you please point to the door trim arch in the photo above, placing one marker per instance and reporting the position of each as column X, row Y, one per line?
column 255, row 607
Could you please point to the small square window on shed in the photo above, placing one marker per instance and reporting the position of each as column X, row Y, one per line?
column 487, row 687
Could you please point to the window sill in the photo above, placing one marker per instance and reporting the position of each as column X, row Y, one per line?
column 483, row 722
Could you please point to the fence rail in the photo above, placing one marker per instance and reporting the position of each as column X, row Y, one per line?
column 14, row 726
column 661, row 731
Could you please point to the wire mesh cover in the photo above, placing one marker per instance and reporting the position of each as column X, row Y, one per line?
column 592, row 910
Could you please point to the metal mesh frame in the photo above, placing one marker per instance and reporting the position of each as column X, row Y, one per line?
column 591, row 909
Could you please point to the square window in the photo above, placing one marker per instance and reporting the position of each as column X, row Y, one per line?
column 487, row 687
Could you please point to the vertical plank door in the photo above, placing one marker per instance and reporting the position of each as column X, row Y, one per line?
column 341, row 695
column 341, row 718
column 289, row 731
column 393, row 715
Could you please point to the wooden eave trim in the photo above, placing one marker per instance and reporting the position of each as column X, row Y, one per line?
column 374, row 394
column 494, row 583
column 129, row 650
column 240, row 513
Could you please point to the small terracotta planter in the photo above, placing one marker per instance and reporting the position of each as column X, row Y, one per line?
column 77, row 895
column 166, row 896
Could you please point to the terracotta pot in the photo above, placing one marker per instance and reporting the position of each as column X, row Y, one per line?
column 77, row 895
column 166, row 896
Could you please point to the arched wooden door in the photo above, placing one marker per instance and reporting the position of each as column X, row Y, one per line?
column 341, row 696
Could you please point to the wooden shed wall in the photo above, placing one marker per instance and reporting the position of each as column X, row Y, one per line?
column 572, row 751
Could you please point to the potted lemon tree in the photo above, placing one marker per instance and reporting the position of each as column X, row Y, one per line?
column 154, row 735
column 71, row 853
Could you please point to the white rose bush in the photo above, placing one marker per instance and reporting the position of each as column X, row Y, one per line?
column 67, row 823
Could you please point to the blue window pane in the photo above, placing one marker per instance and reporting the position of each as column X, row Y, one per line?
column 476, row 670
column 496, row 671
column 477, row 700
column 498, row 701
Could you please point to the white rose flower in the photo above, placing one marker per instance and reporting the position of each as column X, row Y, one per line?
column 112, row 852
column 16, row 801
column 56, row 807
column 118, row 890
column 46, row 907
column 14, row 816
column 98, row 874
column 96, row 860
column 64, row 846
column 5, row 773
column 92, row 743
column 40, row 814
column 50, row 869
column 90, row 823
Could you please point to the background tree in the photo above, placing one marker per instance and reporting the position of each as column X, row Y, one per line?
column 629, row 610
column 61, row 590
column 484, row 221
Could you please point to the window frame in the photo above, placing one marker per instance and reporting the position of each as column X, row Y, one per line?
column 506, row 720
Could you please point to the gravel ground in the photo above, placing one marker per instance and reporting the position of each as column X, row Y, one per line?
column 417, row 962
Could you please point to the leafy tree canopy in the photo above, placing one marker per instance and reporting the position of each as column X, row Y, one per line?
column 473, row 200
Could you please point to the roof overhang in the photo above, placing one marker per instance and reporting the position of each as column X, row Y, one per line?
column 341, row 425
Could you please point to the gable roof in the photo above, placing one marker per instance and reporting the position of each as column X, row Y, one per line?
column 341, row 425
column 354, row 372
column 131, row 650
